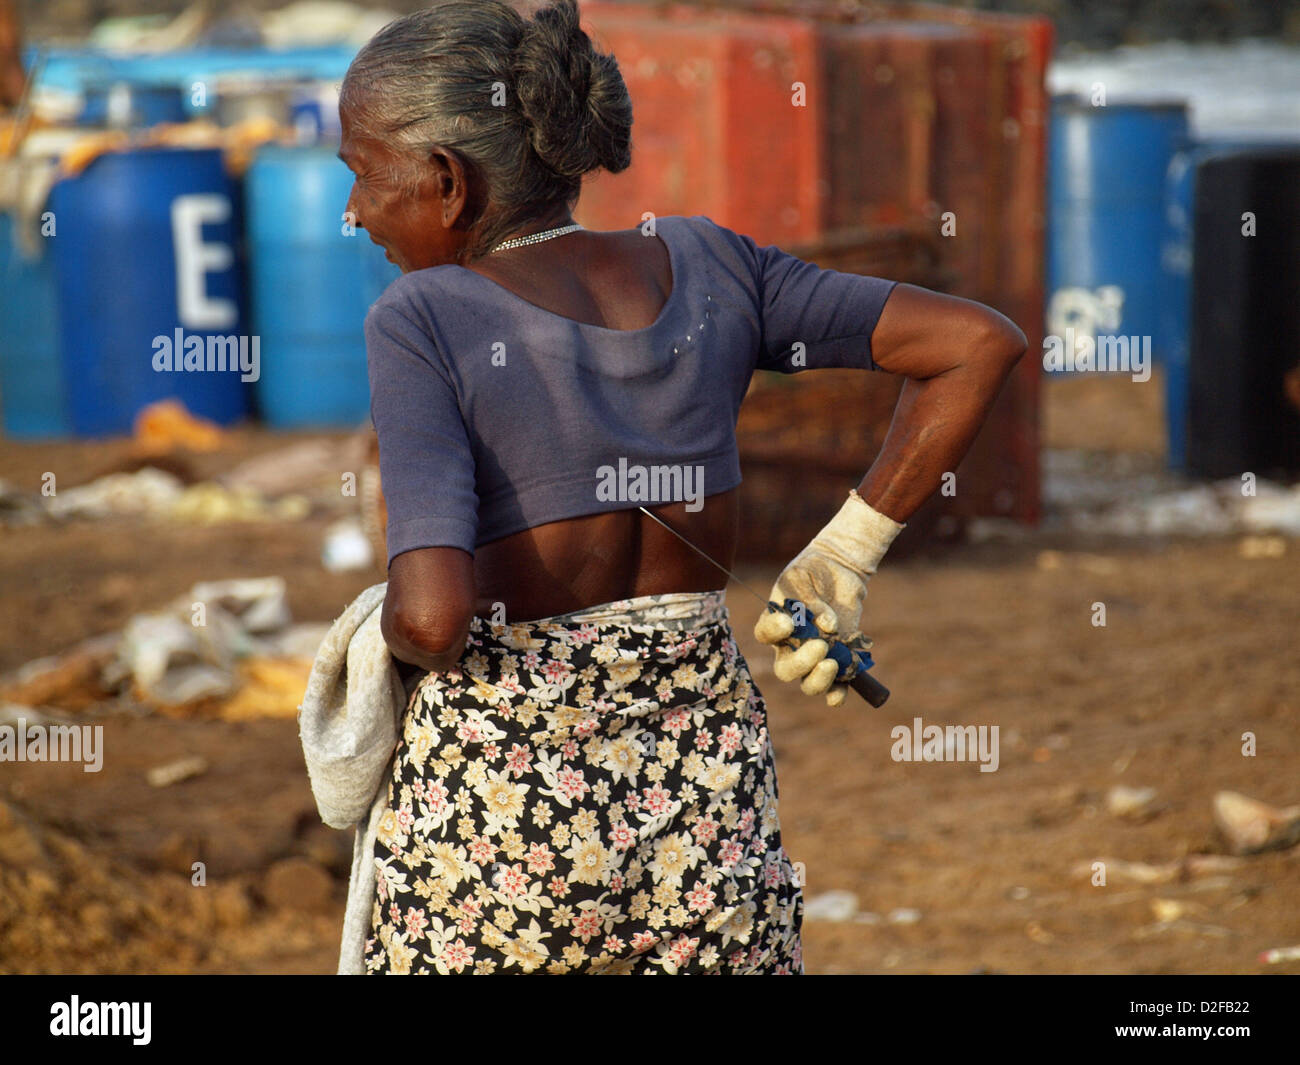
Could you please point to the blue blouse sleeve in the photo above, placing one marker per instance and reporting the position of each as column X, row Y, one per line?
column 813, row 318
column 426, row 462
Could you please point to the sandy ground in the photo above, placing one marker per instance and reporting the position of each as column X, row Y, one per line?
column 953, row 870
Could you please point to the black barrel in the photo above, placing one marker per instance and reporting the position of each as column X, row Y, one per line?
column 1245, row 343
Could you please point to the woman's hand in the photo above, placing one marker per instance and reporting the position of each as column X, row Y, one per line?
column 428, row 606
column 829, row 577
column 956, row 354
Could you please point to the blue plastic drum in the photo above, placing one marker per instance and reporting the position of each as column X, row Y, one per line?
column 130, row 104
column 150, row 288
column 312, row 284
column 31, row 368
column 1106, row 190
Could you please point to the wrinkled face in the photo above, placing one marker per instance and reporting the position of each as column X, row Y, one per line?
column 411, row 227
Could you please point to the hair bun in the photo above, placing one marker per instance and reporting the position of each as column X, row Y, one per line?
column 571, row 95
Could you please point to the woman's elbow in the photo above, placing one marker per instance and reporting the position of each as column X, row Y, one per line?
column 1002, row 343
column 434, row 644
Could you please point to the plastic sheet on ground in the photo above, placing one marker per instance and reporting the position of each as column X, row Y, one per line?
column 225, row 649
column 1119, row 496
column 155, row 493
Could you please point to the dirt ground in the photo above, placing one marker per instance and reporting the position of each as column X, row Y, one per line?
column 954, row 870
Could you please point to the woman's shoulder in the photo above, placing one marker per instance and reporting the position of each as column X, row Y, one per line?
column 711, row 239
column 413, row 288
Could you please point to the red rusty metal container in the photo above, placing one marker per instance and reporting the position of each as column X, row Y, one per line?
column 904, row 141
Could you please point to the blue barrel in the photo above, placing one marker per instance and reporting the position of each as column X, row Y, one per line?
column 150, row 288
column 311, row 285
column 132, row 104
column 1107, row 168
column 315, row 107
column 31, row 368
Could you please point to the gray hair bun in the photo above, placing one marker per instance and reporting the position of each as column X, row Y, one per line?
column 572, row 96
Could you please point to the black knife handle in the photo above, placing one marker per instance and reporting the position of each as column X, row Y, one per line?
column 869, row 688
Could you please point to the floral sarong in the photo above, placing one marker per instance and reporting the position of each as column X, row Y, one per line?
column 588, row 793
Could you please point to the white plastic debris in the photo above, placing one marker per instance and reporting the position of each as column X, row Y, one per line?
column 1272, row 509
column 188, row 652
column 1134, row 803
column 346, row 547
column 260, row 603
column 831, row 906
column 146, row 491
column 162, row 776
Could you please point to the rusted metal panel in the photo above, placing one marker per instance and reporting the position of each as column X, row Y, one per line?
column 920, row 155
column 699, row 86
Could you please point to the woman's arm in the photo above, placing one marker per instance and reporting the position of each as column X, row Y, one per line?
column 956, row 354
column 428, row 606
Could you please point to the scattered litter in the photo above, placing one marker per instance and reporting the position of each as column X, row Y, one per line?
column 269, row 687
column 146, row 491
column 1099, row 565
column 346, row 547
column 14, row 713
column 1167, row 910
column 831, row 906
column 1083, row 499
column 238, row 657
column 71, row 681
column 1124, row 760
column 174, row 772
column 1193, row 865
column 1132, row 803
column 208, row 503
column 300, row 640
column 155, row 493
column 1018, row 893
column 168, row 424
column 1279, row 954
column 1181, row 925
column 1249, row 826
column 997, row 530
column 1254, row 547
column 1272, row 509
column 297, row 467
column 18, row 507
column 904, row 916
column 261, row 604
column 1035, row 931
column 1202, row 864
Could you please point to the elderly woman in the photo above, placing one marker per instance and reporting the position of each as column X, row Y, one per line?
column 585, row 780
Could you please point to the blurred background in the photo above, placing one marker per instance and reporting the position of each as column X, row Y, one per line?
column 1110, row 578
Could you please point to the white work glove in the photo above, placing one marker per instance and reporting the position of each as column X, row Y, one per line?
column 829, row 577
